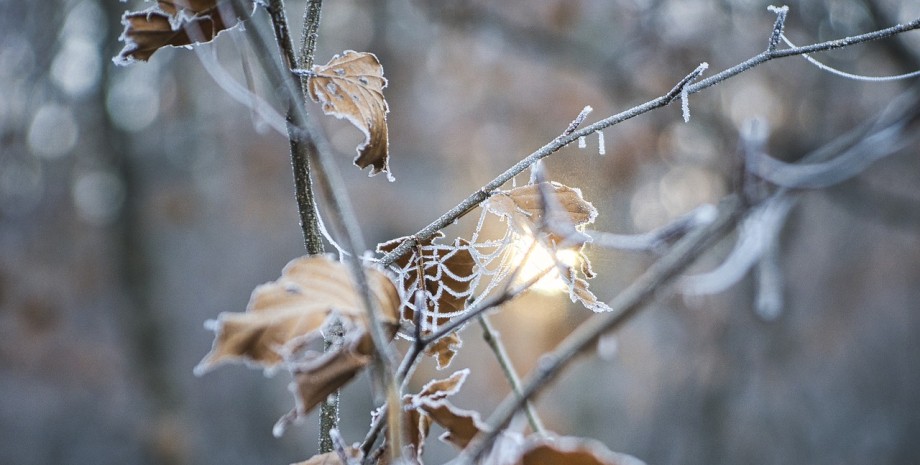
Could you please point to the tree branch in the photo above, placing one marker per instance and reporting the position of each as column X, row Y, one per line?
column 567, row 137
column 300, row 149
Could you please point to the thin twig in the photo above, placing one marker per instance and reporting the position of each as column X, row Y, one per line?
column 300, row 149
column 311, row 19
column 493, row 339
column 625, row 305
column 486, row 191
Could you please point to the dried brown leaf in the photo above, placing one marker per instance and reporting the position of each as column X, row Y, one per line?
column 416, row 422
column 439, row 388
column 295, row 306
column 284, row 316
column 571, row 451
column 443, row 350
column 579, row 292
column 523, row 207
column 526, row 209
column 316, row 380
column 461, row 425
column 175, row 23
column 351, row 86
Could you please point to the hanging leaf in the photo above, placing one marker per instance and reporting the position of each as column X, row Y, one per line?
column 542, row 450
column 461, row 425
column 175, row 23
column 579, row 292
column 556, row 213
column 285, row 316
column 443, row 350
column 439, row 388
column 351, row 86
column 523, row 208
column 432, row 397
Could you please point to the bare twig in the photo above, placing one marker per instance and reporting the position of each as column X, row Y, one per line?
column 300, row 149
column 300, row 163
column 778, row 26
column 493, row 339
column 311, row 19
column 657, row 239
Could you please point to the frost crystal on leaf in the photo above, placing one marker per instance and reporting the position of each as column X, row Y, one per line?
column 177, row 24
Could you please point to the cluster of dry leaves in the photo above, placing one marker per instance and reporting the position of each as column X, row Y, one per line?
column 284, row 323
column 350, row 86
column 285, row 319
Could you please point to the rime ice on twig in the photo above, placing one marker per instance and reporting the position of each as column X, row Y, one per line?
column 578, row 120
column 601, row 149
column 682, row 88
column 778, row 26
column 855, row 77
column 582, row 143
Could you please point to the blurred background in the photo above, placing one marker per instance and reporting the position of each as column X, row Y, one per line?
column 137, row 202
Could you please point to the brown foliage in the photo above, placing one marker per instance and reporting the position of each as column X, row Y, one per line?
column 351, row 86
column 175, row 23
column 284, row 316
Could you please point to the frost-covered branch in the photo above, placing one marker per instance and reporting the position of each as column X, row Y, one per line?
column 567, row 138
column 300, row 148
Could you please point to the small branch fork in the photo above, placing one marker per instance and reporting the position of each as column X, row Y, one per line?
column 568, row 137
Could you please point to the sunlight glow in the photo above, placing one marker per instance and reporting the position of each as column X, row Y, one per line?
column 540, row 259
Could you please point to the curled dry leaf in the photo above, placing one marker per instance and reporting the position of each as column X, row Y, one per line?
column 417, row 419
column 461, row 425
column 284, row 316
column 556, row 212
column 439, row 388
column 351, row 86
column 175, row 23
column 523, row 208
column 444, row 349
